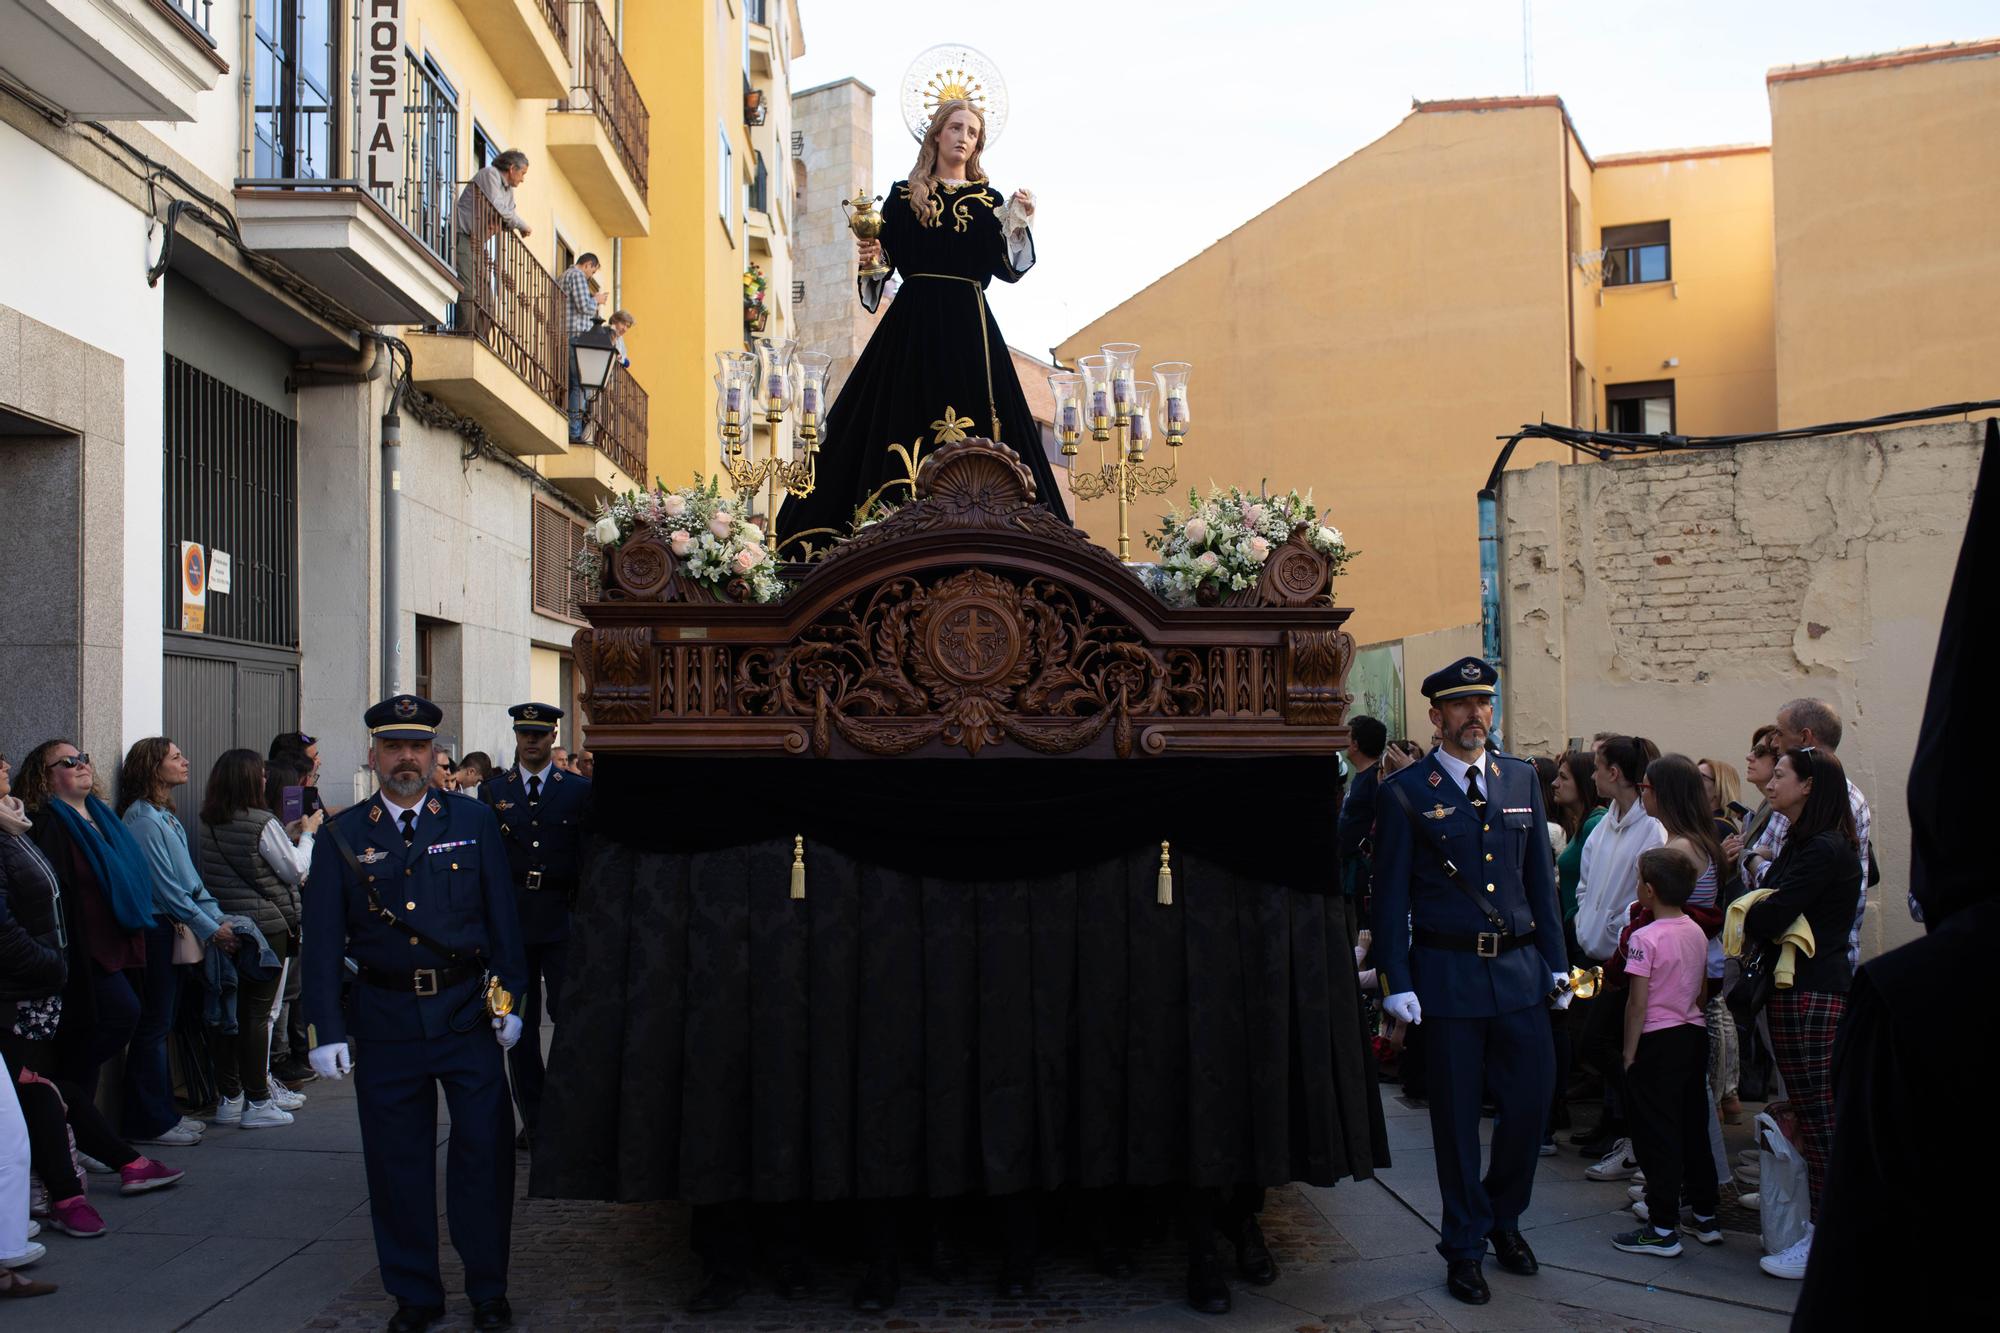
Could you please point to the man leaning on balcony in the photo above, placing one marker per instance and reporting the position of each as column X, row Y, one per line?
column 485, row 206
column 580, row 299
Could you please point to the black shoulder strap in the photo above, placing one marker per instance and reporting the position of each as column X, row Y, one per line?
column 1428, row 831
column 376, row 908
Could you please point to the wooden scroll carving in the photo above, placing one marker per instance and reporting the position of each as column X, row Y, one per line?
column 970, row 621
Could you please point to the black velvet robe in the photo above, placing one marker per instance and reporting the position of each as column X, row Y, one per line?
column 936, row 370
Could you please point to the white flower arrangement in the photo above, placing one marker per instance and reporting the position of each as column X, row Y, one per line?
column 1222, row 542
column 711, row 536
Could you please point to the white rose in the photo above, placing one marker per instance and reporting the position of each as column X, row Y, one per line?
column 1259, row 549
column 606, row 530
column 673, row 506
column 1195, row 531
column 721, row 525
column 1330, row 536
column 1253, row 515
column 1207, row 560
column 681, row 542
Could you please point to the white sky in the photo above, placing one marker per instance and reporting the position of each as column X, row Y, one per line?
column 1148, row 129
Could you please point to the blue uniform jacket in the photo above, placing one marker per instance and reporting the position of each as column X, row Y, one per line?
column 451, row 883
column 546, row 837
column 1504, row 857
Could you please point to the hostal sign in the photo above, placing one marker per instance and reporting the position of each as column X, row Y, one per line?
column 382, row 126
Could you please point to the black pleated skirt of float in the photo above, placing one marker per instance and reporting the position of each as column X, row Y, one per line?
column 970, row 1015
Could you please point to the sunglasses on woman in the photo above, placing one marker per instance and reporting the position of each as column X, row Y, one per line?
column 71, row 761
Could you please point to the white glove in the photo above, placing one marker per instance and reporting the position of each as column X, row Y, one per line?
column 1565, row 994
column 507, row 1030
column 1403, row 1005
column 332, row 1061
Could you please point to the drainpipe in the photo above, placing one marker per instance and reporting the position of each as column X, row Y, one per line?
column 1489, row 577
column 392, row 526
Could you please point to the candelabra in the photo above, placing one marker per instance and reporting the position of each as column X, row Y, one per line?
column 773, row 381
column 1120, row 409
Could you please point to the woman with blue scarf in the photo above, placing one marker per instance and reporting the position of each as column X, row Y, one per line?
column 107, row 897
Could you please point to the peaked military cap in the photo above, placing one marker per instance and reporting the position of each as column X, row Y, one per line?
column 535, row 717
column 1468, row 675
column 403, row 717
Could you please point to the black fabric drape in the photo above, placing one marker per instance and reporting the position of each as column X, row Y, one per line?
column 982, row 1006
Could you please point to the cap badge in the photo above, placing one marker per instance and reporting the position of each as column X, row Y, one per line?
column 406, row 708
column 1470, row 671
column 530, row 713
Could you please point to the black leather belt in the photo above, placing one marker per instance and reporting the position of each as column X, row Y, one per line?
column 1487, row 943
column 542, row 881
column 423, row 981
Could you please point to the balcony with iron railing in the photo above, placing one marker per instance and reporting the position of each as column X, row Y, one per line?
column 598, row 133
column 502, row 359
column 613, row 460
column 527, row 40
column 143, row 60
column 385, row 252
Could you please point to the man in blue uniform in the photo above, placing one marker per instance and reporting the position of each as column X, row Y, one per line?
column 541, row 810
column 412, row 886
column 1469, row 939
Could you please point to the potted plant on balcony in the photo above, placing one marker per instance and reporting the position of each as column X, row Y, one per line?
column 754, row 109
column 756, row 316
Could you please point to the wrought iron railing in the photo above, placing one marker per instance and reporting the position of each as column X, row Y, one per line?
column 198, row 13
column 423, row 200
column 511, row 304
column 601, row 84
column 760, row 187
column 556, row 12
column 620, row 433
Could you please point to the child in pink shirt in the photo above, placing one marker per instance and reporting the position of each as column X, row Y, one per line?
column 1666, row 1061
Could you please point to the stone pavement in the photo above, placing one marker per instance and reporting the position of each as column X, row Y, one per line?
column 270, row 1231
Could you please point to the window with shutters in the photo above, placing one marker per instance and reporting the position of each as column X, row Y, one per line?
column 558, row 588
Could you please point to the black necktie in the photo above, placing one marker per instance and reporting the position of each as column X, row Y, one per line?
column 1472, row 792
column 409, row 827
column 534, row 787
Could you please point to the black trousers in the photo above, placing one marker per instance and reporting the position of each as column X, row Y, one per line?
column 524, row 1062
column 1511, row 1057
column 54, row 1111
column 1667, row 1109
column 1604, row 1048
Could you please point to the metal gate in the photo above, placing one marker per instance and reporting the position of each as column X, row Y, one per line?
column 220, row 696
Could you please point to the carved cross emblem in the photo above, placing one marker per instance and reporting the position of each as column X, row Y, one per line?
column 974, row 641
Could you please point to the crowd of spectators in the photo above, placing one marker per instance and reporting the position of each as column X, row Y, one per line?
column 1723, row 911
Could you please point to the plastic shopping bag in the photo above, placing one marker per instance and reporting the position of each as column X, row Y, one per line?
column 1781, row 1181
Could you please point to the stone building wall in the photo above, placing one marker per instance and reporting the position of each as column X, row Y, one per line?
column 835, row 154
column 1686, row 597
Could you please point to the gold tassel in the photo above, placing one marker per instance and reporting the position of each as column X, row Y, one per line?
column 1166, row 894
column 799, row 866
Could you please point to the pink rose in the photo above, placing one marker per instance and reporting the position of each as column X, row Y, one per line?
column 1195, row 531
column 1207, row 560
column 673, row 506
column 680, row 541
column 748, row 559
column 1259, row 549
column 1253, row 515
column 722, row 525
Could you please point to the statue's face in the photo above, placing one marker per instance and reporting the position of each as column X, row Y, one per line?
column 958, row 138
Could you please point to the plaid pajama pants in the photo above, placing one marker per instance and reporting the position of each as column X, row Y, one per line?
column 1802, row 1028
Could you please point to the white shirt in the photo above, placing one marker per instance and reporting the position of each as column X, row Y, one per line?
column 1456, row 769
column 396, row 810
column 1608, row 875
column 542, row 773
column 287, row 862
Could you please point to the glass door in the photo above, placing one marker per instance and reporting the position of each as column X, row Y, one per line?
column 297, row 68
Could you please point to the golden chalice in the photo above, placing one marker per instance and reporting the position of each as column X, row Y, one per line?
column 866, row 224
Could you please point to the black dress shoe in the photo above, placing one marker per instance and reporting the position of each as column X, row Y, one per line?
column 1464, row 1280
column 414, row 1318
column 1017, row 1279
column 494, row 1313
column 720, row 1288
column 791, row 1275
column 1254, row 1263
column 1207, row 1289
column 1511, row 1248
column 879, row 1287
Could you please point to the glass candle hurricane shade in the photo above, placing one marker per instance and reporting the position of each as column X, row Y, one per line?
column 1097, row 394
column 1171, row 377
column 1121, row 357
column 1067, row 389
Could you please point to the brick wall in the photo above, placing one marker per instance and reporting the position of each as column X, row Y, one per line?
column 1687, row 596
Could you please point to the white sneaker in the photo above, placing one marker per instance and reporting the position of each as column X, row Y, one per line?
column 1790, row 1265
column 92, row 1165
column 264, row 1115
column 228, row 1110
column 1637, row 1191
column 1641, row 1211
column 1754, row 1201
column 34, row 1228
column 1618, row 1164
column 175, row 1137
column 194, row 1126
column 286, row 1099
column 1750, row 1176
column 34, row 1251
column 1638, row 1177
column 1749, row 1156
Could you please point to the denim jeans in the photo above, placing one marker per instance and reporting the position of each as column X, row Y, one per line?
column 148, row 1109
column 575, row 399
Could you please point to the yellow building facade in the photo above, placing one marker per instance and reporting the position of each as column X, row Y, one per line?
column 710, row 68
column 1477, row 268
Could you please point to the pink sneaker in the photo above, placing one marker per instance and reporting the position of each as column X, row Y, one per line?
column 146, row 1174
column 76, row 1217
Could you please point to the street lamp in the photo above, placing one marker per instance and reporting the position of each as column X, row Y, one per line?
column 596, row 355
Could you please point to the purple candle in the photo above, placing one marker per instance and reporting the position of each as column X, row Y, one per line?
column 1069, row 423
column 774, row 385
column 734, row 400
column 1142, row 426
column 810, row 399
column 1099, row 406
column 1177, row 413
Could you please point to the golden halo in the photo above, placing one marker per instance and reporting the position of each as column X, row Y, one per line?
column 944, row 73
